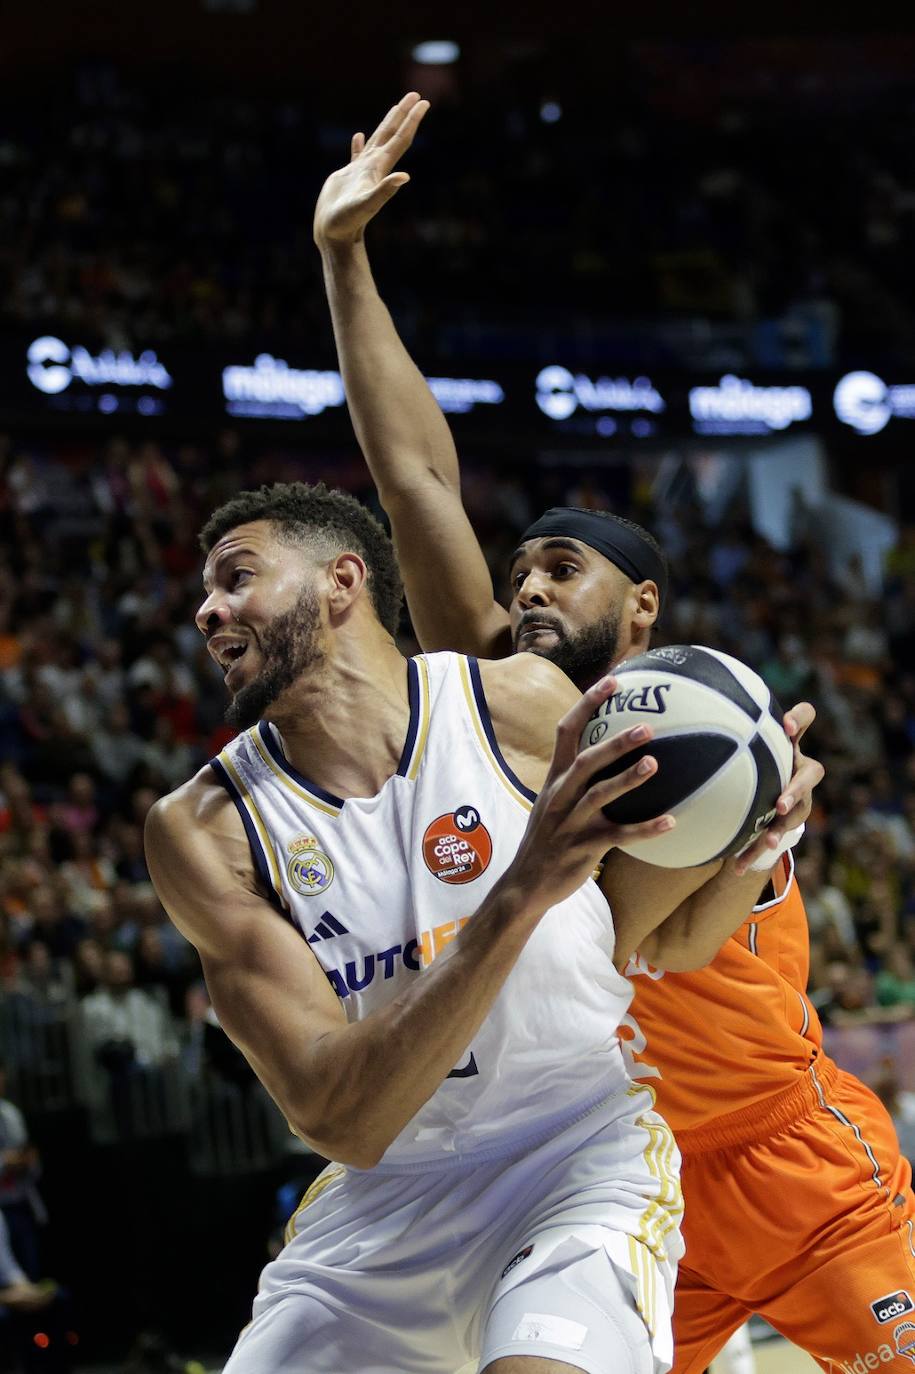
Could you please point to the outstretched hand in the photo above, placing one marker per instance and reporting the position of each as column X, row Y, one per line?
column 352, row 196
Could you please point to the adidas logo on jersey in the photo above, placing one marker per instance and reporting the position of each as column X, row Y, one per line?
column 326, row 929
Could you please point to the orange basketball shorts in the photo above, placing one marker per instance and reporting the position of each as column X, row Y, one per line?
column 802, row 1211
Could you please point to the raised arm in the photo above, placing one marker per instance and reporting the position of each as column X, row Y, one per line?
column 402, row 432
column 349, row 1089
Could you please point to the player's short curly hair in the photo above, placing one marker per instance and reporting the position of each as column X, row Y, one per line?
column 332, row 520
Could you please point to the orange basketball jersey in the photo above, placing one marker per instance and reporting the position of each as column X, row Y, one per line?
column 721, row 1039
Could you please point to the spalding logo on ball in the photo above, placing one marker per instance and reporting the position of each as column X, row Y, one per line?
column 723, row 755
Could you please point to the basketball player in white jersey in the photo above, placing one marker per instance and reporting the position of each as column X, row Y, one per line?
column 405, row 941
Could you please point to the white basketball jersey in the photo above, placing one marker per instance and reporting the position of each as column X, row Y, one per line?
column 380, row 886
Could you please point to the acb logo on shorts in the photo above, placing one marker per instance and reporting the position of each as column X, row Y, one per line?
column 309, row 869
column 892, row 1306
column 457, row 847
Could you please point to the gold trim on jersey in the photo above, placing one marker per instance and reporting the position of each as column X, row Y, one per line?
column 422, row 726
column 250, row 806
column 478, row 726
column 663, row 1213
column 645, row 1273
column 286, row 780
column 324, row 1180
column 408, row 769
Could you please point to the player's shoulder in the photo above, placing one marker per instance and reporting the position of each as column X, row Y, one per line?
column 526, row 677
column 195, row 803
column 527, row 696
column 198, row 857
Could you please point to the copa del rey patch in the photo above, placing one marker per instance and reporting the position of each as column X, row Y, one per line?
column 457, row 847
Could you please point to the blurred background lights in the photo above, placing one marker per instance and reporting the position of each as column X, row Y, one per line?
column 551, row 112
column 436, row 52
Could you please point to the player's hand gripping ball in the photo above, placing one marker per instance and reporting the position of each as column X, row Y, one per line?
column 723, row 755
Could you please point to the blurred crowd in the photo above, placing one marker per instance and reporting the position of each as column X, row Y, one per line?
column 765, row 188
column 108, row 699
column 718, row 183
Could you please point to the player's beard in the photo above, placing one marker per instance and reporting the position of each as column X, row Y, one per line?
column 589, row 653
column 290, row 646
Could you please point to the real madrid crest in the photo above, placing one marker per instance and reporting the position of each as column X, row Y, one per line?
column 309, row 869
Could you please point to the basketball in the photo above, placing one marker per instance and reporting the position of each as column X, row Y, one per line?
column 722, row 752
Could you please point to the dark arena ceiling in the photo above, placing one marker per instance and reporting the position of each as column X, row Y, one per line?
column 337, row 49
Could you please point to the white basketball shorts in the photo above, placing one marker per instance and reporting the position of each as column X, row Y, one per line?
column 565, row 1250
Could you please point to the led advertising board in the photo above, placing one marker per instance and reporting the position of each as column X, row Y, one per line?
column 69, row 379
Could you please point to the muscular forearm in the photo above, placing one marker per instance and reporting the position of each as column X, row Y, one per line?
column 380, row 1071
column 400, row 428
column 693, row 934
column 411, row 455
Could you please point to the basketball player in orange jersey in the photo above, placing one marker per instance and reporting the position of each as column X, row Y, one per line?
column 798, row 1204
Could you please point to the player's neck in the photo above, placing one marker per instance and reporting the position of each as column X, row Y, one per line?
column 345, row 728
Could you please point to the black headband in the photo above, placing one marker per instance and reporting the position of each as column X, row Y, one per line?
column 624, row 547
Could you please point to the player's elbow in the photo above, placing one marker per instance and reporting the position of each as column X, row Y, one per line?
column 684, row 961
column 686, row 956
column 340, row 1130
column 675, row 953
column 332, row 1101
column 415, row 483
column 362, row 1154
column 344, row 1144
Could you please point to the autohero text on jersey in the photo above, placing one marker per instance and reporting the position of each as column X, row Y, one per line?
column 358, row 974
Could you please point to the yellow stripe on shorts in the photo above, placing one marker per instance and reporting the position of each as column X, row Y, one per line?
column 324, row 1180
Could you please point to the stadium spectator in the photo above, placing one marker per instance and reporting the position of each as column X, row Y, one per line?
column 899, row 1104
column 20, row 1201
column 125, row 1026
